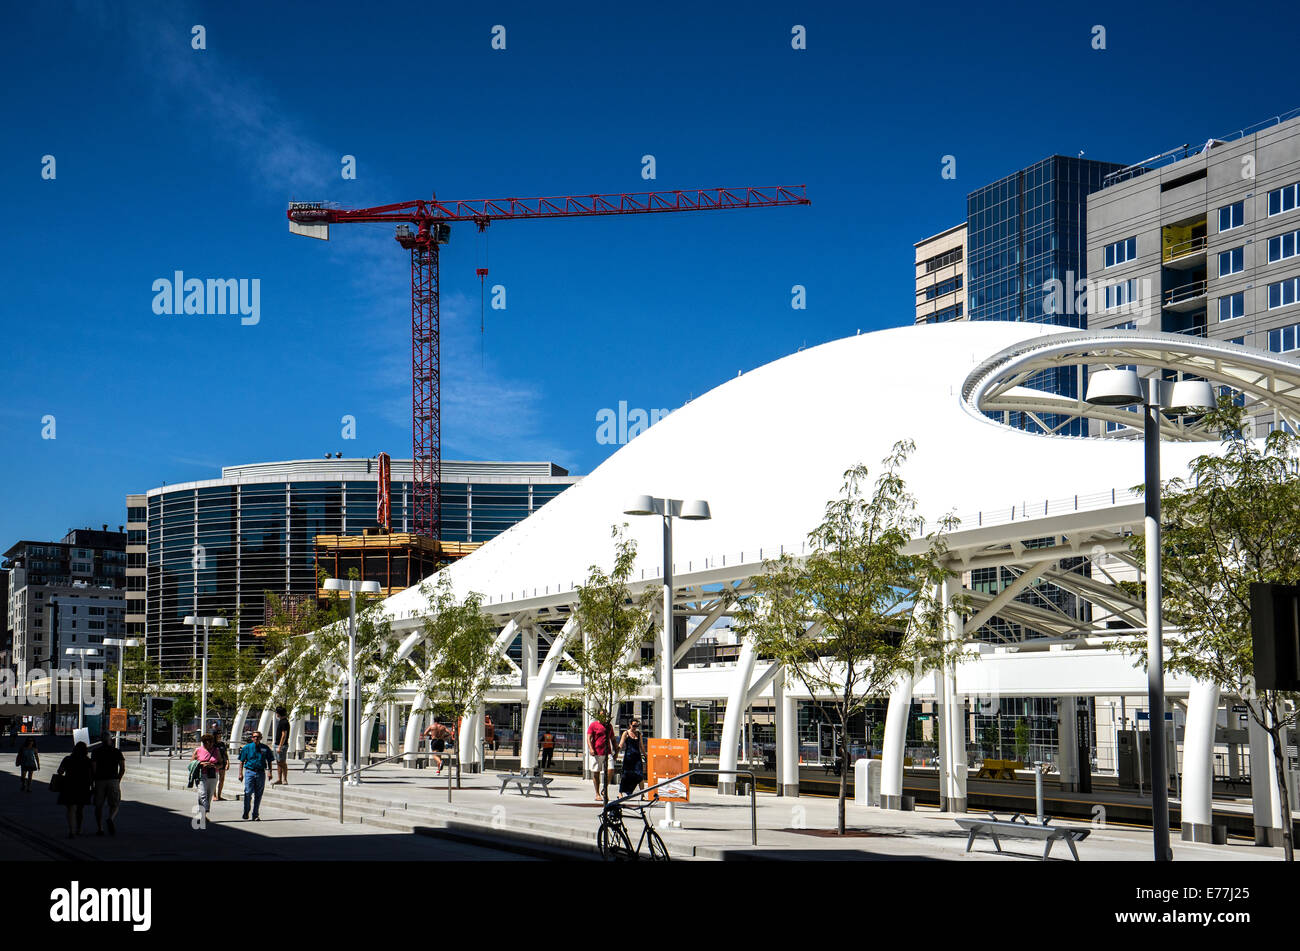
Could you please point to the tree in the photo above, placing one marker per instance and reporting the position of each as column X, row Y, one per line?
column 1022, row 739
column 458, row 638
column 613, row 628
column 1235, row 521
column 860, row 609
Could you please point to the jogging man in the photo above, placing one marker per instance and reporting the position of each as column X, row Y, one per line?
column 438, row 736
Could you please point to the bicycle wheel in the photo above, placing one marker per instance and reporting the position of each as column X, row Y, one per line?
column 658, row 851
column 613, row 843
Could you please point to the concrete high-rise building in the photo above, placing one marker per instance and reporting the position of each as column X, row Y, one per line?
column 1204, row 240
column 216, row 547
column 941, row 276
column 66, row 594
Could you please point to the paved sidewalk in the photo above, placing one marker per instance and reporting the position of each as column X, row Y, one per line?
column 157, row 824
column 713, row 826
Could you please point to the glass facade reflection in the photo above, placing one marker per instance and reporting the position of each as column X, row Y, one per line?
column 214, row 548
column 1027, row 235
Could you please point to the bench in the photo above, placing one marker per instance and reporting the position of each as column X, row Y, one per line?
column 1020, row 827
column 533, row 779
column 999, row 769
column 319, row 760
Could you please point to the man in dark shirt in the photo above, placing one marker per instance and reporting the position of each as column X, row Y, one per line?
column 281, row 747
column 108, row 765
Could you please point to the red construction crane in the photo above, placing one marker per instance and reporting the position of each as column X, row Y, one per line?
column 430, row 221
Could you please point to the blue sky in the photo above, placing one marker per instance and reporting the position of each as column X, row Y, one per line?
column 170, row 158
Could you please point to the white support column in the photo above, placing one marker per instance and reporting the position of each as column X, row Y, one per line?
column 537, row 695
column 325, row 738
column 390, row 729
column 1067, row 743
column 1198, row 762
column 734, row 718
column 368, row 717
column 1263, row 783
column 471, row 740
column 414, row 727
column 891, row 771
column 954, row 710
column 237, row 725
column 264, row 724
column 296, row 723
column 787, row 736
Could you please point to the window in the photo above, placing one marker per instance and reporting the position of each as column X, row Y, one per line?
column 1232, row 262
column 943, row 287
column 948, row 313
column 942, row 260
column 1125, row 292
column 1283, row 199
column 1239, row 341
column 1283, row 293
column 1234, row 305
column 1282, row 339
column 1232, row 216
column 1121, row 251
column 1283, row 246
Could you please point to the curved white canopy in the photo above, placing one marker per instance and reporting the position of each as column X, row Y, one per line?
column 769, row 448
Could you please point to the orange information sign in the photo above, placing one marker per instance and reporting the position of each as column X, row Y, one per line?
column 669, row 758
column 116, row 719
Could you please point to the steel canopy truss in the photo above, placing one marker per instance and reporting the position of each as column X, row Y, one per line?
column 425, row 224
column 1269, row 381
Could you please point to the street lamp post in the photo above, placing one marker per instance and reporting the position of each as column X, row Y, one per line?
column 121, row 643
column 207, row 623
column 352, row 754
column 1126, row 388
column 82, row 653
column 668, row 509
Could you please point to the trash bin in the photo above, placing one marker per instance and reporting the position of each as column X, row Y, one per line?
column 1219, row 834
column 908, row 803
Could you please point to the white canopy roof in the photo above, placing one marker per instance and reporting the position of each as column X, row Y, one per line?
column 769, row 448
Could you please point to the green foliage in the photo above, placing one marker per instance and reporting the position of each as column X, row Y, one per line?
column 458, row 642
column 1022, row 739
column 1234, row 521
column 863, row 606
column 614, row 625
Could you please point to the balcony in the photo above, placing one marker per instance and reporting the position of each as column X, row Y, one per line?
column 1185, row 297
column 1185, row 254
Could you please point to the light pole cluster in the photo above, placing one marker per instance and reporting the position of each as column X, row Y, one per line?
column 352, row 751
column 207, row 623
column 1155, row 396
column 668, row 509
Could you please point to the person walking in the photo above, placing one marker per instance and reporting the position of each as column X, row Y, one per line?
column 28, row 762
column 108, row 766
column 489, row 733
column 223, row 753
column 600, row 742
column 75, row 786
column 281, row 747
column 209, row 761
column 548, row 749
column 255, row 758
column 629, row 744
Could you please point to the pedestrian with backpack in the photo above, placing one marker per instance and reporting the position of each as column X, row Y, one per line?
column 209, row 761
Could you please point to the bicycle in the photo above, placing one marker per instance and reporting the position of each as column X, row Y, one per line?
column 615, row 844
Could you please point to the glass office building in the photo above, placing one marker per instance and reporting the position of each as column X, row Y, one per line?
column 1027, row 235
column 214, row 548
